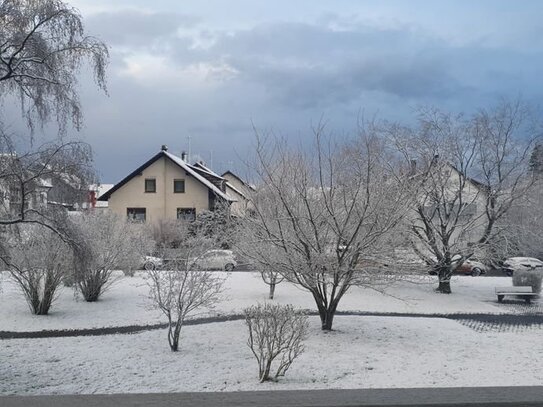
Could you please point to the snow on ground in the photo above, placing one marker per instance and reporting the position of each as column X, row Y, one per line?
column 126, row 301
column 363, row 352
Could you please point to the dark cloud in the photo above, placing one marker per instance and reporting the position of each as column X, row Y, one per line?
column 310, row 66
column 281, row 76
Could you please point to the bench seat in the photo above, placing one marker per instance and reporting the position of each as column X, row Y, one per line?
column 523, row 291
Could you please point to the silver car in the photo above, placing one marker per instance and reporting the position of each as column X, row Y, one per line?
column 513, row 264
column 216, row 260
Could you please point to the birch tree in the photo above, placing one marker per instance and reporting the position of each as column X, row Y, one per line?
column 43, row 45
column 318, row 211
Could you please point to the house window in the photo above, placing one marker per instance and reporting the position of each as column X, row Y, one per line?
column 188, row 214
column 136, row 214
column 150, row 185
column 178, row 186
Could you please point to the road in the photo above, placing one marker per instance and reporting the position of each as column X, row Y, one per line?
column 442, row 397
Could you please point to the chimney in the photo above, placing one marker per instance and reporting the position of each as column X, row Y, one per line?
column 184, row 156
column 164, row 147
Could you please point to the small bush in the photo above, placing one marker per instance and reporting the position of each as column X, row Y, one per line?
column 531, row 278
column 39, row 260
column 276, row 333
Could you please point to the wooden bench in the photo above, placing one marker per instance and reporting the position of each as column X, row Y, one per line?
column 525, row 292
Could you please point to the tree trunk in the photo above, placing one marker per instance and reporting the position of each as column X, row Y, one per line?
column 174, row 331
column 272, row 290
column 444, row 286
column 327, row 318
column 265, row 375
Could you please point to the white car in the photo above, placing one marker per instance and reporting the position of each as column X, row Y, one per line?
column 216, row 260
column 152, row 263
column 513, row 264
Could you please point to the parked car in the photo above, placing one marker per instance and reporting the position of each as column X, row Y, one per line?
column 216, row 260
column 469, row 267
column 151, row 263
column 513, row 264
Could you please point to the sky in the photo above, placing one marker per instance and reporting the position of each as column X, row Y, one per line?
column 209, row 72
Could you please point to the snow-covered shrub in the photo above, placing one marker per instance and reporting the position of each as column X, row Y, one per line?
column 530, row 278
column 104, row 242
column 39, row 260
column 276, row 333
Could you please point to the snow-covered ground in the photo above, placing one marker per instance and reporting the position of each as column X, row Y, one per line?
column 362, row 352
column 126, row 302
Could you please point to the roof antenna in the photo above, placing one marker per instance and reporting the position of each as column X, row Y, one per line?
column 188, row 156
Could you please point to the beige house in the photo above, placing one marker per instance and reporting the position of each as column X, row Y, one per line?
column 167, row 187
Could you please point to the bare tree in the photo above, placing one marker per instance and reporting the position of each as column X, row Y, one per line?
column 472, row 170
column 271, row 278
column 104, row 242
column 26, row 182
column 522, row 225
column 319, row 210
column 42, row 47
column 38, row 261
column 276, row 334
column 179, row 291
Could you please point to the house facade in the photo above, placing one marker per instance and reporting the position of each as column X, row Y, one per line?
column 450, row 207
column 167, row 187
column 241, row 190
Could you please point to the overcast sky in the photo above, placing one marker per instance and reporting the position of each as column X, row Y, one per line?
column 210, row 69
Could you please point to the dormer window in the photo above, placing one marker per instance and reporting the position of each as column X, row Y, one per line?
column 150, row 185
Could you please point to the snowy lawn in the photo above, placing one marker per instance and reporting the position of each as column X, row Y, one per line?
column 363, row 352
column 126, row 302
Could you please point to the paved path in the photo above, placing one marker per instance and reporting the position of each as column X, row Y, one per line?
column 442, row 397
column 477, row 321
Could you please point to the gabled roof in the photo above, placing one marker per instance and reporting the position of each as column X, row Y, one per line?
column 233, row 188
column 176, row 160
column 477, row 184
column 239, row 179
column 202, row 167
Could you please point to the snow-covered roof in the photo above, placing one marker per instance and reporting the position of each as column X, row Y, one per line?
column 100, row 189
column 250, row 186
column 181, row 163
column 188, row 168
column 44, row 182
column 202, row 167
column 229, row 185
